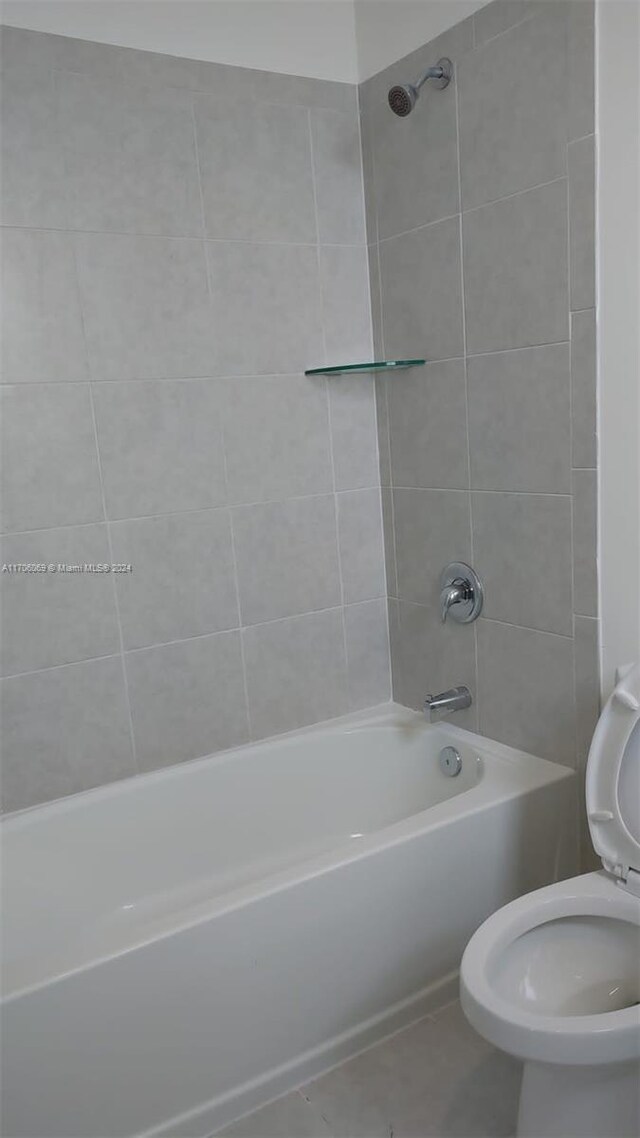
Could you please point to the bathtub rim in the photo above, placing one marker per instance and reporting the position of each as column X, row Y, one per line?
column 395, row 714
column 487, row 793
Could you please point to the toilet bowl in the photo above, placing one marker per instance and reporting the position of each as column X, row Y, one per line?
column 554, row 977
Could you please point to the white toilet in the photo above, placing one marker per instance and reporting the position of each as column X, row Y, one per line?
column 554, row 977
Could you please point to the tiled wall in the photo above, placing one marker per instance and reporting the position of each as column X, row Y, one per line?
column 480, row 209
column 181, row 240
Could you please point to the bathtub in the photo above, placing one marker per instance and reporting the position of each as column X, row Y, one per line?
column 182, row 947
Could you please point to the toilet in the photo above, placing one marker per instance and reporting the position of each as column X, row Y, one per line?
column 554, row 977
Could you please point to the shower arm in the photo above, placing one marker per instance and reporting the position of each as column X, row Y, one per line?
column 431, row 73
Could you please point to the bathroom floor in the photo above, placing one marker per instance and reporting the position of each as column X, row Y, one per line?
column 435, row 1079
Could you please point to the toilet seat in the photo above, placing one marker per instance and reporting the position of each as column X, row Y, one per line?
column 574, row 1039
column 612, row 788
column 509, row 1012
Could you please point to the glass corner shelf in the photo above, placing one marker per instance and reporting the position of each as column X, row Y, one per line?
column 374, row 366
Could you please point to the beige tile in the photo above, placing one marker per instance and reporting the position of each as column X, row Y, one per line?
column 187, row 699
column 389, row 542
column 376, row 301
column 513, row 109
column 85, row 57
column 338, row 177
column 33, row 176
column 344, row 276
column 585, row 570
column 255, row 170
column 279, row 286
column 367, row 653
column 146, row 307
column 352, row 409
column 287, row 558
column 453, row 43
column 382, row 414
column 583, row 389
column 23, row 51
column 50, row 474
column 428, row 426
column 429, row 656
column 129, row 156
column 288, row 1117
column 437, row 1078
column 160, row 446
column 417, row 151
column 522, row 553
column 422, row 308
column 432, row 528
column 144, row 69
column 64, row 730
column 276, row 434
column 493, row 19
column 581, row 67
column 296, row 672
column 582, row 232
column 587, row 682
column 515, row 281
column 42, row 336
column 366, row 142
column 277, row 87
column 526, row 697
column 361, row 545
column 519, row 420
column 182, row 581
column 57, row 617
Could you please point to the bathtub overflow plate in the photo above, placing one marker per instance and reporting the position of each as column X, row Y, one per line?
column 450, row 762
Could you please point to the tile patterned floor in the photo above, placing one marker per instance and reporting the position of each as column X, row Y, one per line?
column 436, row 1079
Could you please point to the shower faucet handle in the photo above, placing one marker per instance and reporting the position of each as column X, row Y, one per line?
column 461, row 593
column 453, row 594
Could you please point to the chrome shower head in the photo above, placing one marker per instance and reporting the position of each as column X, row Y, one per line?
column 403, row 97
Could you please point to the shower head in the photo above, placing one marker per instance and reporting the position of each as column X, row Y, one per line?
column 403, row 97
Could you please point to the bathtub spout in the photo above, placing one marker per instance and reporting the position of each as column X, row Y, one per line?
column 437, row 706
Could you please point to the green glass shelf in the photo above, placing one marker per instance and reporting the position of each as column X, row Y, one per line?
column 375, row 365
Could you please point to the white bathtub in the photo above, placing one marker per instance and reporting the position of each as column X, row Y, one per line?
column 181, row 947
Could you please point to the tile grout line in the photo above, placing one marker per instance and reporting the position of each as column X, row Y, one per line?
column 379, row 100
column 223, row 441
column 480, row 490
column 571, row 483
column 136, row 235
column 375, row 378
column 417, row 228
column 463, row 306
column 498, row 35
column 193, row 510
column 239, row 628
column 237, row 506
column 336, row 514
column 96, row 439
column 196, row 152
column 496, row 620
column 115, row 589
column 392, row 521
column 136, row 85
column 262, row 376
column 515, row 348
column 472, row 209
column 65, row 664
